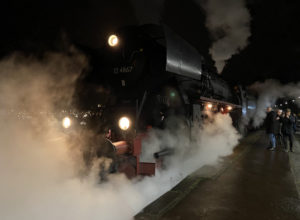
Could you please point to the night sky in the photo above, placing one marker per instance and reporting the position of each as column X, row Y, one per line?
column 273, row 50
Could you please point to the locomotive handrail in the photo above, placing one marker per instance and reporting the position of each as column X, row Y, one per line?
column 139, row 108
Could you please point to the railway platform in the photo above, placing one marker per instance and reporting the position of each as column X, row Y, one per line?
column 252, row 183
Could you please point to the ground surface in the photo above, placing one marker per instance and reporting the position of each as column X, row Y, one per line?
column 257, row 185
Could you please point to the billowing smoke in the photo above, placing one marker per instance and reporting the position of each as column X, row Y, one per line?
column 229, row 24
column 215, row 137
column 268, row 92
column 41, row 170
column 148, row 12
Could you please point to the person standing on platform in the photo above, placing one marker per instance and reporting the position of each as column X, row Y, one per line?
column 270, row 119
column 287, row 130
column 277, row 128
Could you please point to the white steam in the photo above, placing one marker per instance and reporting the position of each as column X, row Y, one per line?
column 41, row 171
column 229, row 24
column 216, row 137
column 268, row 92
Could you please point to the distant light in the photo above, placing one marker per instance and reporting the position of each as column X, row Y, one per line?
column 286, row 103
column 83, row 123
column 293, row 100
column 113, row 40
column 209, row 105
column 251, row 107
column 172, row 94
column 244, row 111
column 229, row 108
column 66, row 122
column 280, row 104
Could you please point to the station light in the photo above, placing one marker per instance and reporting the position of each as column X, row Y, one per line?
column 229, row 108
column 113, row 40
column 209, row 106
column 66, row 122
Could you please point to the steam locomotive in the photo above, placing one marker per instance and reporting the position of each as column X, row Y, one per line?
column 143, row 76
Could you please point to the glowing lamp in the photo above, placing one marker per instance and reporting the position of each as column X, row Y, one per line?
column 124, row 123
column 113, row 40
column 229, row 108
column 66, row 122
column 209, row 105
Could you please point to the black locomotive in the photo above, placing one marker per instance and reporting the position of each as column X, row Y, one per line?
column 142, row 77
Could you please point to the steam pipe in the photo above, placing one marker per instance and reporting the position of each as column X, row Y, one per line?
column 121, row 147
column 139, row 109
column 164, row 152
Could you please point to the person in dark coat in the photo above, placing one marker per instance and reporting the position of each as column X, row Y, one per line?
column 277, row 128
column 287, row 130
column 270, row 130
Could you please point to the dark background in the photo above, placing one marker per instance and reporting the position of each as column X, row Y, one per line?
column 273, row 50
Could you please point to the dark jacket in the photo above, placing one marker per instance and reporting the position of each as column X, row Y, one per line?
column 277, row 124
column 269, row 123
column 287, row 125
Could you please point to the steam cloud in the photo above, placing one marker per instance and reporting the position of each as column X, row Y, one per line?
column 148, row 12
column 216, row 137
column 268, row 92
column 41, row 176
column 229, row 24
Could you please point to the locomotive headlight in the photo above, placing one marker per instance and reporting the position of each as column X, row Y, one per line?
column 113, row 40
column 66, row 122
column 124, row 123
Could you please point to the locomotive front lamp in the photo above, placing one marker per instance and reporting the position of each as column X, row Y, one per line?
column 66, row 122
column 113, row 40
column 124, row 123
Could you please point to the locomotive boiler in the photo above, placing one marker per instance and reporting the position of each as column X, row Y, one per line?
column 143, row 76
